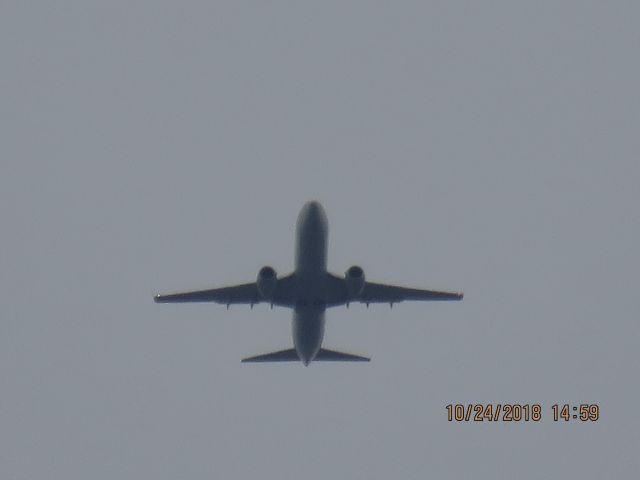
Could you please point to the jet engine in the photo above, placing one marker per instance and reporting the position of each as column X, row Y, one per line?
column 266, row 282
column 354, row 277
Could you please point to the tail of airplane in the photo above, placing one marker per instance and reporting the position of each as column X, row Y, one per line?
column 325, row 355
column 281, row 356
column 291, row 355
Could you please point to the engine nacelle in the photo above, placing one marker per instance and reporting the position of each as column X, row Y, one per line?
column 266, row 282
column 354, row 277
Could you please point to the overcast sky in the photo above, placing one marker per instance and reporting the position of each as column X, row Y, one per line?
column 154, row 146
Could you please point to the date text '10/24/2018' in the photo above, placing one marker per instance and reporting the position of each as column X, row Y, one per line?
column 515, row 412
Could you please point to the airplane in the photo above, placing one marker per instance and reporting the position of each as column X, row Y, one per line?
column 309, row 290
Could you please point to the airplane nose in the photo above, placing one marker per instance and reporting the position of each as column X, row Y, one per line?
column 312, row 214
column 315, row 212
column 314, row 208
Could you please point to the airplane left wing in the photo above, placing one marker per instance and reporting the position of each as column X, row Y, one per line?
column 379, row 293
column 337, row 293
column 246, row 293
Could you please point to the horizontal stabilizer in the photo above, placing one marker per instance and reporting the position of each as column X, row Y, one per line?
column 291, row 355
column 282, row 356
column 325, row 355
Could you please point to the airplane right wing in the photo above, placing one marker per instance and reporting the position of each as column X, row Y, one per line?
column 246, row 293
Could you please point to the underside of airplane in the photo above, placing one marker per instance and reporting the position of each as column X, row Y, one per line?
column 309, row 290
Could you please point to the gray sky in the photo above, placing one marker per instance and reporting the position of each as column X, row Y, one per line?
column 157, row 146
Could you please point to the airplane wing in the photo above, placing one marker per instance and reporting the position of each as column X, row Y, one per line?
column 380, row 293
column 337, row 293
column 246, row 293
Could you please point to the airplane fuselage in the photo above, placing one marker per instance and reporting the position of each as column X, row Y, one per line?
column 311, row 273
